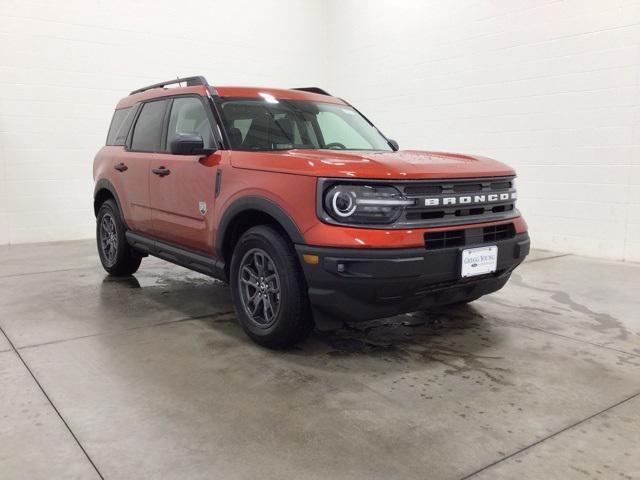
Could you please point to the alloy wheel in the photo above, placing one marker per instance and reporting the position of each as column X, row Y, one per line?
column 109, row 239
column 259, row 287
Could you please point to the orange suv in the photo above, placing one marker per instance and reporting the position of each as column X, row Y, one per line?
column 296, row 199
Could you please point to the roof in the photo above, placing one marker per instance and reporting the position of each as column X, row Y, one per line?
column 228, row 91
column 278, row 93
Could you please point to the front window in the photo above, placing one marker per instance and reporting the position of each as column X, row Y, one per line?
column 188, row 116
column 270, row 124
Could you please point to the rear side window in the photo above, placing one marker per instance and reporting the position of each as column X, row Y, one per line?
column 147, row 132
column 120, row 125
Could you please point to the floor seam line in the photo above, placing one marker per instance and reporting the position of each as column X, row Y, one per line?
column 541, row 330
column 547, row 258
column 168, row 322
column 548, row 437
column 73, row 435
column 42, row 272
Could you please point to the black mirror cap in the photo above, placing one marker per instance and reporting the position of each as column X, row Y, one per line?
column 393, row 144
column 189, row 144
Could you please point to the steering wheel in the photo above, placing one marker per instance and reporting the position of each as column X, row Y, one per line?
column 335, row 146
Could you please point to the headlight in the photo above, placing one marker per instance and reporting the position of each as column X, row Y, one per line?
column 364, row 204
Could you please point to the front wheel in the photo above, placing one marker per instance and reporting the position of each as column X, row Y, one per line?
column 268, row 289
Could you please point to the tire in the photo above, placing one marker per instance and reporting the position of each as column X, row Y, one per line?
column 282, row 317
column 117, row 257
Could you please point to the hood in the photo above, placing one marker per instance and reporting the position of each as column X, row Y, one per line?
column 405, row 164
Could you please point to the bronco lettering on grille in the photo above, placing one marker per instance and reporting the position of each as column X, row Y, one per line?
column 469, row 199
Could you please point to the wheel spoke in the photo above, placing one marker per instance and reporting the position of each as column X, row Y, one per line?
column 264, row 309
column 273, row 286
column 258, row 260
column 259, row 287
column 252, row 297
column 256, row 304
column 108, row 239
column 268, row 312
column 246, row 271
column 106, row 224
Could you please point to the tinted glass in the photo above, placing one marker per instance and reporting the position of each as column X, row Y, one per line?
column 120, row 125
column 148, row 130
column 273, row 124
column 189, row 116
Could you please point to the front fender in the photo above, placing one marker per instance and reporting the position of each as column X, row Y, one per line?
column 262, row 204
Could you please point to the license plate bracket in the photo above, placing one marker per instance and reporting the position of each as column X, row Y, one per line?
column 479, row 261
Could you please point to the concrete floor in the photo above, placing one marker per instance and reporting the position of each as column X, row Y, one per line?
column 151, row 377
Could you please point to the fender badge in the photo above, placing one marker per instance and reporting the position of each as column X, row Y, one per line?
column 202, row 207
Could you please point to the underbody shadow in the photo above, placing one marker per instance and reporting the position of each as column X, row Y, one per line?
column 455, row 336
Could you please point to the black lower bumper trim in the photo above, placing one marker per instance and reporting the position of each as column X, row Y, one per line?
column 363, row 284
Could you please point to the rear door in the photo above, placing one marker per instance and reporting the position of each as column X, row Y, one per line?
column 182, row 186
column 132, row 167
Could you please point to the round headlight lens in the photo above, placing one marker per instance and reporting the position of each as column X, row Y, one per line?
column 343, row 203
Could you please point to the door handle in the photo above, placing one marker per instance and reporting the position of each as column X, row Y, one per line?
column 162, row 171
column 121, row 167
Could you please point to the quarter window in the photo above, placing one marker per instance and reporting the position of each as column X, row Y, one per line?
column 120, row 125
column 147, row 133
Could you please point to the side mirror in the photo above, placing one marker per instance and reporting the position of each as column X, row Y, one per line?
column 189, row 144
column 394, row 145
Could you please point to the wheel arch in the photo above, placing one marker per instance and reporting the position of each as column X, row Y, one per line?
column 103, row 191
column 247, row 212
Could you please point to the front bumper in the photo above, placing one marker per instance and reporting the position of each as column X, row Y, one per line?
column 364, row 284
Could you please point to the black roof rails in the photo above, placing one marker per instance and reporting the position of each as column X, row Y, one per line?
column 191, row 82
column 313, row 90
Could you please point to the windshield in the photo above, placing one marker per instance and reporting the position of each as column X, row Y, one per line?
column 271, row 124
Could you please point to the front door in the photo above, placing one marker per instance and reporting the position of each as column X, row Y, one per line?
column 182, row 187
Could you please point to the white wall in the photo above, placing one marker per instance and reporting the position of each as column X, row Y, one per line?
column 550, row 87
column 64, row 65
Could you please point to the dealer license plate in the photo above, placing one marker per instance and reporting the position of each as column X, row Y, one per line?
column 479, row 261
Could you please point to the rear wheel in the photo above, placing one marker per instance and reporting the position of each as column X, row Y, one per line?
column 117, row 257
column 268, row 289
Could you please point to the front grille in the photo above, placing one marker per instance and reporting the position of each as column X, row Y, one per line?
column 448, row 238
column 467, row 187
column 495, row 233
column 423, row 190
column 469, row 237
column 458, row 201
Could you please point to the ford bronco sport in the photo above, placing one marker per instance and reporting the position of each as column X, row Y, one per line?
column 298, row 201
